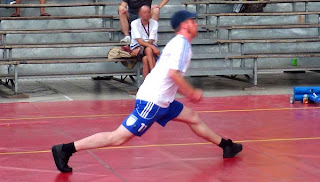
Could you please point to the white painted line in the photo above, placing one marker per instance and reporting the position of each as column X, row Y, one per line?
column 66, row 97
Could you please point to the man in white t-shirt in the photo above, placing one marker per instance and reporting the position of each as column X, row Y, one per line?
column 155, row 100
column 144, row 34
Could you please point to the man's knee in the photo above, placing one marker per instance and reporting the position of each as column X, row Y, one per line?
column 148, row 51
column 195, row 118
column 156, row 12
column 191, row 117
column 119, row 139
column 122, row 11
column 120, row 136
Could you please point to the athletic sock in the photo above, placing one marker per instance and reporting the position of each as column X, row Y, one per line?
column 69, row 148
column 225, row 143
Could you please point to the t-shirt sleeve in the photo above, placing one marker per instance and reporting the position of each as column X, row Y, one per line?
column 179, row 55
column 135, row 33
column 154, row 31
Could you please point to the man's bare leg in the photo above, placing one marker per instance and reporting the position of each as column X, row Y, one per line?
column 156, row 14
column 145, row 69
column 42, row 10
column 18, row 10
column 124, row 20
column 151, row 61
column 62, row 153
column 104, row 139
column 192, row 119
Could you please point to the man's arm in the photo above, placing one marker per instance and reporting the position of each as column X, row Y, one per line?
column 185, row 88
column 164, row 2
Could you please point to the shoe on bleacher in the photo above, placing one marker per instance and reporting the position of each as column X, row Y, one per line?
column 126, row 40
column 10, row 2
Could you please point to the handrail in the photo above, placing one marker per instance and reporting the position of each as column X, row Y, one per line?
column 61, row 45
column 271, row 26
column 268, row 40
column 255, row 56
column 57, row 17
column 48, row 31
column 56, row 5
column 247, row 2
column 263, row 14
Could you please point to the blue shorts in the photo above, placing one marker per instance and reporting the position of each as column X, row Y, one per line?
column 146, row 113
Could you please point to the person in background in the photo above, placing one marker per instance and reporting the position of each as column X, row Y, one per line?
column 144, row 33
column 42, row 10
column 7, row 2
column 130, row 14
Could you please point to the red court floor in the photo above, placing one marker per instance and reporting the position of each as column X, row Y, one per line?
column 281, row 142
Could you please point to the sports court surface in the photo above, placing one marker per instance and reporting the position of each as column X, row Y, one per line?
column 281, row 142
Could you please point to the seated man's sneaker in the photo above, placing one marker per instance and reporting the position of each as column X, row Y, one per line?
column 126, row 40
column 231, row 149
column 10, row 2
column 61, row 158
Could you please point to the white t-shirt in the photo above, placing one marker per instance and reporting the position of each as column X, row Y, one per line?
column 139, row 31
column 158, row 87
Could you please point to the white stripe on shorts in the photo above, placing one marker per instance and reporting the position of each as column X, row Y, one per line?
column 145, row 109
column 148, row 110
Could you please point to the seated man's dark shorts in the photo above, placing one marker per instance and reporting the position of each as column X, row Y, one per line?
column 133, row 17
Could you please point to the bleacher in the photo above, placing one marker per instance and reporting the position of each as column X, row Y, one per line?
column 74, row 41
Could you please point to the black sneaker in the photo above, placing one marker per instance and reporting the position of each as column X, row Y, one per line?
column 231, row 149
column 61, row 158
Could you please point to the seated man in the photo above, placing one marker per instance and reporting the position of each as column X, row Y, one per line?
column 144, row 32
column 127, row 16
column 42, row 11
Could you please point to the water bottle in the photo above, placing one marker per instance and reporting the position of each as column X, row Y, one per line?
column 305, row 99
column 294, row 62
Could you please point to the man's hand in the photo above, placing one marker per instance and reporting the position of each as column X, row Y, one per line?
column 196, row 96
column 155, row 50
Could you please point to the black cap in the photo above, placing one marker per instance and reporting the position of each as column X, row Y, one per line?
column 181, row 16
